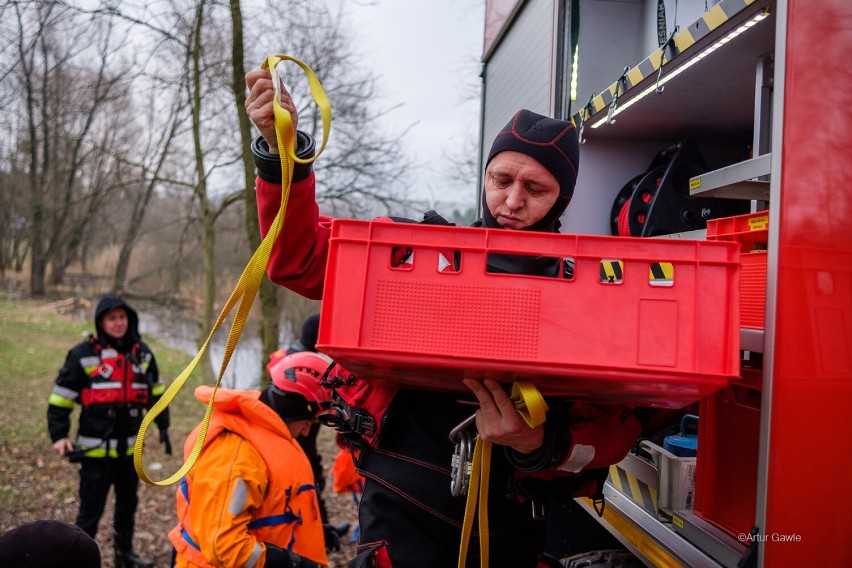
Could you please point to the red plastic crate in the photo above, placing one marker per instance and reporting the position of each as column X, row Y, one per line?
column 663, row 342
column 751, row 231
column 728, row 451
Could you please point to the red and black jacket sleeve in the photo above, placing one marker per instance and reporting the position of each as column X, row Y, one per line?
column 299, row 254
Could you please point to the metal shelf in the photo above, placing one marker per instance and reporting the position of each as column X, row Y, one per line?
column 737, row 181
column 721, row 545
column 690, row 103
column 652, row 541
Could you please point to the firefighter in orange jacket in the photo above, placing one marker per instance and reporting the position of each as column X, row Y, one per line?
column 251, row 499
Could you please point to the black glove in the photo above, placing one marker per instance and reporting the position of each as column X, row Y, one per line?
column 164, row 439
column 332, row 538
column 280, row 558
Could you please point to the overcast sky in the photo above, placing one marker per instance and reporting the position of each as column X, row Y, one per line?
column 427, row 55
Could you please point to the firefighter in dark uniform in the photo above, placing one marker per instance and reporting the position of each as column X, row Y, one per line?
column 408, row 516
column 113, row 376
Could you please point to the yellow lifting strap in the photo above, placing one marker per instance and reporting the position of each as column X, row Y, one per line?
column 531, row 406
column 249, row 282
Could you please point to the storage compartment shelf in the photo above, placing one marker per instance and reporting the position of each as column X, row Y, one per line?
column 722, row 547
column 645, row 536
column 708, row 68
column 737, row 181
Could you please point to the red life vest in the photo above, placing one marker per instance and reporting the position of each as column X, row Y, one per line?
column 116, row 378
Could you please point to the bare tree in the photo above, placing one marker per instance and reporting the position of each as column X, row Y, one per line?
column 150, row 178
column 63, row 101
column 197, row 149
column 269, row 325
column 365, row 169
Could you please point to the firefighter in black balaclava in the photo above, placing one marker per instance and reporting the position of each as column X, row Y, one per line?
column 113, row 376
column 408, row 516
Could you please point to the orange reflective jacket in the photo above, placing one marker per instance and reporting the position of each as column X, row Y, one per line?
column 252, row 484
column 346, row 479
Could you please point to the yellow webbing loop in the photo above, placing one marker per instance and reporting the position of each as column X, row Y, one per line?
column 531, row 406
column 249, row 282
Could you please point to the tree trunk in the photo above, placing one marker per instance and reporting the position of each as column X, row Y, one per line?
column 269, row 327
column 208, row 216
column 208, row 294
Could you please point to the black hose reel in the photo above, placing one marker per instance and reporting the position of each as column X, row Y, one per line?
column 657, row 202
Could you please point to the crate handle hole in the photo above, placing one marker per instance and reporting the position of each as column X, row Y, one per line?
column 530, row 265
column 661, row 274
column 611, row 271
column 402, row 258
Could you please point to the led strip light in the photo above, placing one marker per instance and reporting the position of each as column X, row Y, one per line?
column 666, row 78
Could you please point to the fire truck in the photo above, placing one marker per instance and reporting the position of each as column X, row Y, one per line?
column 726, row 120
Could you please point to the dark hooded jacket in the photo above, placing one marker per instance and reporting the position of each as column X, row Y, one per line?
column 113, row 380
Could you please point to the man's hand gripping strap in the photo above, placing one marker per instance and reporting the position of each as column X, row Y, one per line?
column 249, row 282
column 531, row 406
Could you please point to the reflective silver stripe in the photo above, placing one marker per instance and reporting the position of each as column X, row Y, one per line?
column 109, row 353
column 255, row 555
column 90, row 361
column 581, row 456
column 239, row 497
column 111, row 444
column 88, row 442
column 66, row 392
column 140, row 386
column 106, row 386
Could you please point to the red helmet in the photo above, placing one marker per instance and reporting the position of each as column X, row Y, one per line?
column 300, row 373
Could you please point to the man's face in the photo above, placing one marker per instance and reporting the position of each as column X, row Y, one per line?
column 519, row 191
column 114, row 323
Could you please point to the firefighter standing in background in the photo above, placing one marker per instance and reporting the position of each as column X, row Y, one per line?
column 113, row 376
column 251, row 500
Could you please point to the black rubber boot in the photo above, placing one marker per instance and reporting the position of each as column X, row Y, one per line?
column 125, row 556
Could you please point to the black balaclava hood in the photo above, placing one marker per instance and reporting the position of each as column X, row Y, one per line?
column 41, row 544
column 551, row 142
column 108, row 303
column 554, row 144
column 289, row 406
column 310, row 330
column 308, row 340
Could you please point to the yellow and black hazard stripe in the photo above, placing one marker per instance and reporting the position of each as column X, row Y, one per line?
column 637, row 490
column 661, row 274
column 680, row 42
column 612, row 271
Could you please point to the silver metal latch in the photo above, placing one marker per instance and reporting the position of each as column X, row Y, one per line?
column 462, row 461
column 462, row 465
